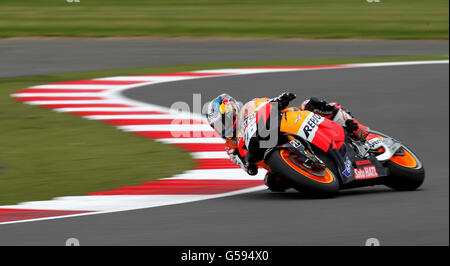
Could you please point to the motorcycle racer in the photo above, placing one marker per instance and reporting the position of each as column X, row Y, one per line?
column 222, row 116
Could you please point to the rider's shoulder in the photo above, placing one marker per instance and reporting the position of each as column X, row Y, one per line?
column 258, row 101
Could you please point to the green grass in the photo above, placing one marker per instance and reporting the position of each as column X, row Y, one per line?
column 389, row 19
column 49, row 154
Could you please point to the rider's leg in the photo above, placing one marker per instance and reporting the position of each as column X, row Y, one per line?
column 336, row 113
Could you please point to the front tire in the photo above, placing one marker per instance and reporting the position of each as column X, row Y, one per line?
column 405, row 177
column 283, row 163
column 406, row 170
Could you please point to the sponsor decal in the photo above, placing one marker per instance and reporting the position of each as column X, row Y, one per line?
column 295, row 143
column 375, row 143
column 323, row 112
column 348, row 167
column 250, row 131
column 363, row 162
column 366, row 172
column 310, row 126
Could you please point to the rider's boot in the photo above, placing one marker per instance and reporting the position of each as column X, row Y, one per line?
column 356, row 130
column 274, row 183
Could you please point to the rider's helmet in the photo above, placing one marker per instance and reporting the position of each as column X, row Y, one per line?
column 222, row 115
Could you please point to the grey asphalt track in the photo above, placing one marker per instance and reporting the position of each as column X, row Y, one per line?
column 408, row 102
column 43, row 56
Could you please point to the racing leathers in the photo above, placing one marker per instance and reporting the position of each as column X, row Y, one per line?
column 335, row 112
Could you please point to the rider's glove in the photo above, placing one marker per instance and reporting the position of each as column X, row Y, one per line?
column 321, row 107
column 284, row 99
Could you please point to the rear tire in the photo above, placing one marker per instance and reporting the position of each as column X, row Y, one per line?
column 299, row 181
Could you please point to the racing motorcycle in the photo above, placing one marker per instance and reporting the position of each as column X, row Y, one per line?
column 316, row 155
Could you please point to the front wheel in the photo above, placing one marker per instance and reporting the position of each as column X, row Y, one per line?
column 406, row 169
column 286, row 164
column 406, row 172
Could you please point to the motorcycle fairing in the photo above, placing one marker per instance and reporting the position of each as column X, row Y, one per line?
column 389, row 145
column 330, row 137
column 323, row 133
column 353, row 168
column 313, row 128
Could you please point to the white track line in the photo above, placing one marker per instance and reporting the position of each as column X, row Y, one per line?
column 171, row 127
column 218, row 174
column 62, row 94
column 246, row 71
column 109, row 109
column 148, row 78
column 162, row 116
column 77, row 86
column 73, row 102
column 115, row 203
column 210, row 155
column 191, row 140
column 406, row 63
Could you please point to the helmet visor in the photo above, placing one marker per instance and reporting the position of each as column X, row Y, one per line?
column 225, row 125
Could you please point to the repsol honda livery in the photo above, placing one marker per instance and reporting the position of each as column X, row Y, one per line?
column 315, row 155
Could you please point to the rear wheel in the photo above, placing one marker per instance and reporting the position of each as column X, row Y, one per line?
column 286, row 164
